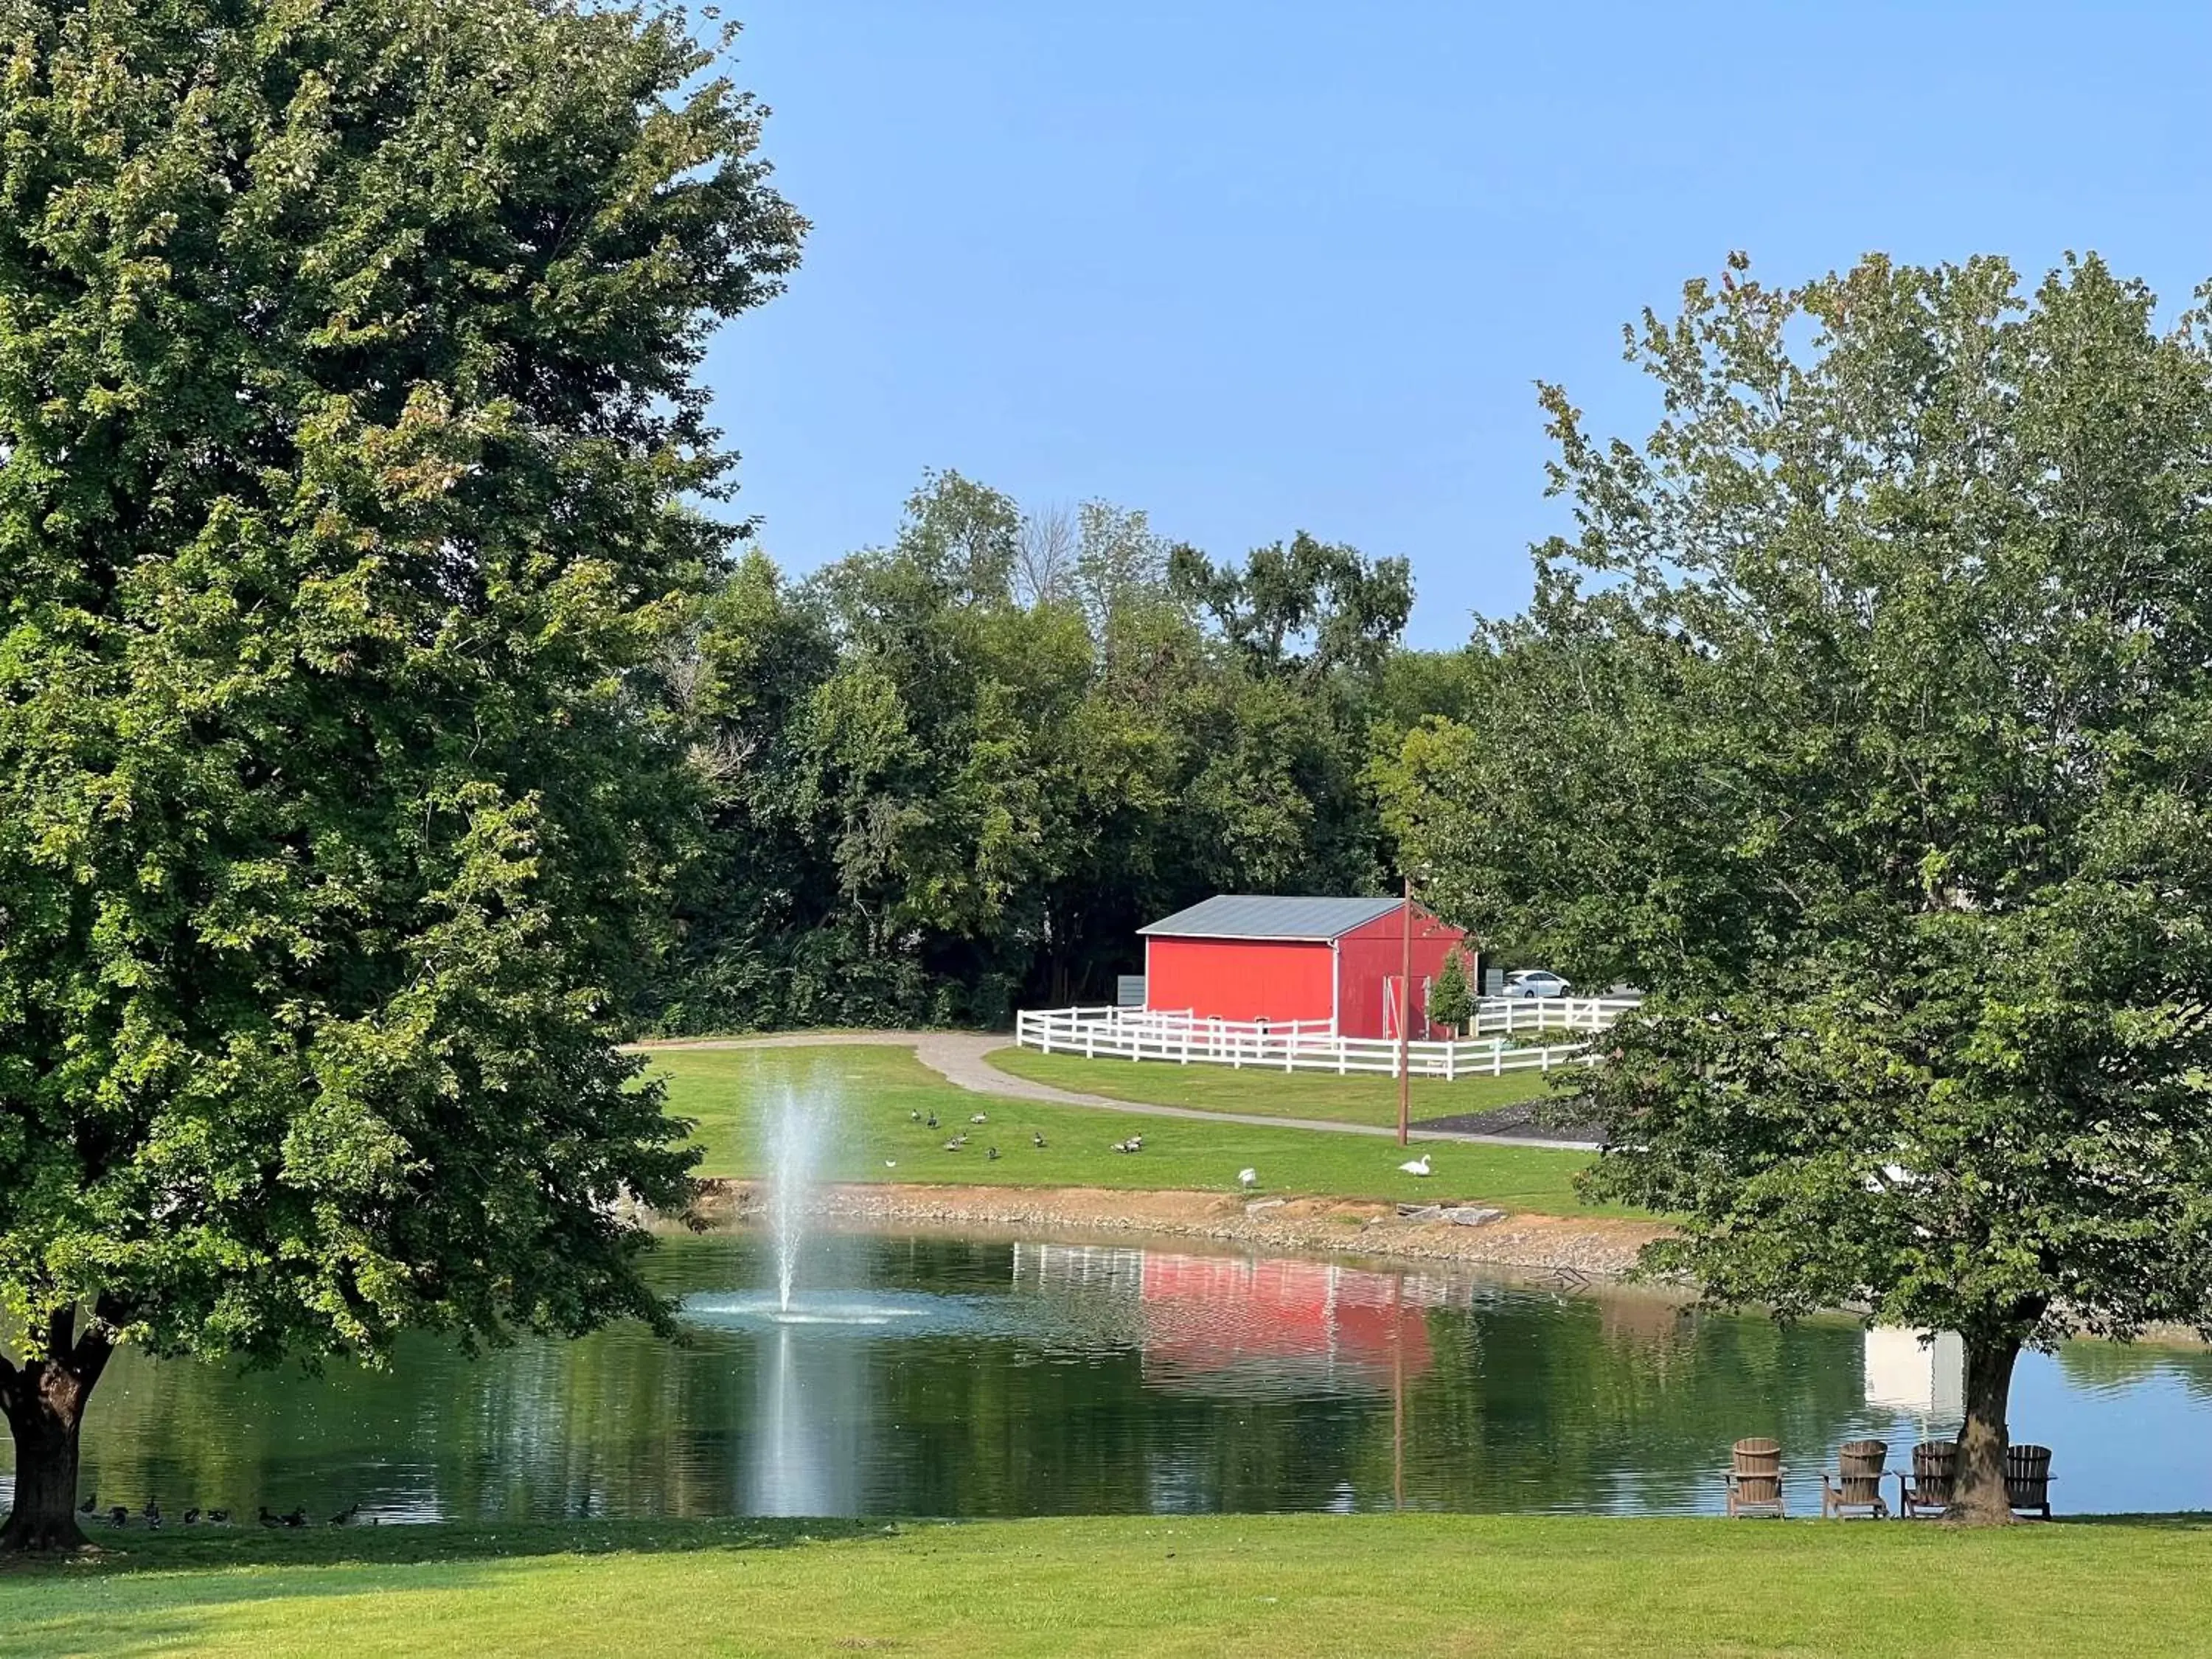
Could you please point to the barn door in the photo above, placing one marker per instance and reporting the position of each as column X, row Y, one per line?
column 1391, row 984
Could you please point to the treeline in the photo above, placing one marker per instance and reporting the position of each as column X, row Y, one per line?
column 951, row 777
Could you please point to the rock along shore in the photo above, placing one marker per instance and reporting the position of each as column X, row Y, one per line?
column 1577, row 1246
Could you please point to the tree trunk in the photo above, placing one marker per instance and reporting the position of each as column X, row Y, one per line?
column 1978, row 1498
column 43, row 1400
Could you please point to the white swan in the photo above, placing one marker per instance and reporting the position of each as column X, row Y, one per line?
column 1418, row 1166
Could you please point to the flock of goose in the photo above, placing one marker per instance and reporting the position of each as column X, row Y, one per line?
column 118, row 1515
column 1246, row 1178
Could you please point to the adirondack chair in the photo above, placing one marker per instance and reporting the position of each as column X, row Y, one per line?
column 1856, row 1485
column 2027, row 1478
column 1934, row 1473
column 1754, row 1479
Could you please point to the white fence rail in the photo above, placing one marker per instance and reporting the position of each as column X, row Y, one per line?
column 1314, row 1045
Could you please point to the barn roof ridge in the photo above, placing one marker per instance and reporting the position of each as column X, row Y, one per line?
column 1260, row 915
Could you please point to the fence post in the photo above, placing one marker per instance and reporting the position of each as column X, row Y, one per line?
column 1451, row 1061
column 1545, row 1064
column 1498, row 1060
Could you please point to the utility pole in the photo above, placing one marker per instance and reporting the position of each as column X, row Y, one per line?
column 1405, row 1018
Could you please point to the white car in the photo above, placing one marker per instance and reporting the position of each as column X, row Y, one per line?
column 1535, row 983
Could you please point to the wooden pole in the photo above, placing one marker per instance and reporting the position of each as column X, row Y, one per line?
column 1405, row 1018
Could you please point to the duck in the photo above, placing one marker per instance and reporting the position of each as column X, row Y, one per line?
column 1418, row 1166
column 1248, row 1177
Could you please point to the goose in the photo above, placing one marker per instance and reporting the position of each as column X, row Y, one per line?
column 118, row 1517
column 1248, row 1177
column 914, row 1117
column 952, row 1145
column 298, row 1517
column 991, row 1156
column 268, row 1520
column 890, row 1164
column 1035, row 1139
column 218, row 1517
column 1136, row 1142
column 91, row 1505
column 344, row 1517
column 932, row 1122
column 980, row 1117
column 1418, row 1166
column 192, row 1518
column 151, row 1512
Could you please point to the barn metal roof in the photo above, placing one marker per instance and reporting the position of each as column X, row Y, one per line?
column 1247, row 915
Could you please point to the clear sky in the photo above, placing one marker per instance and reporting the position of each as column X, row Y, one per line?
column 1260, row 265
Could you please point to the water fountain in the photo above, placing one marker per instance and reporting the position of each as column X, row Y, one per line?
column 795, row 1148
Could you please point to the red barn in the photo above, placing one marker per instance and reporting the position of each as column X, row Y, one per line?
column 1241, row 957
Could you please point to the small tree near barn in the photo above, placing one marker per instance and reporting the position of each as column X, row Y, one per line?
column 1451, row 999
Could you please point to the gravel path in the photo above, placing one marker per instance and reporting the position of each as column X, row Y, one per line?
column 958, row 1057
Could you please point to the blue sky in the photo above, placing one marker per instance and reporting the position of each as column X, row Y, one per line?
column 1259, row 267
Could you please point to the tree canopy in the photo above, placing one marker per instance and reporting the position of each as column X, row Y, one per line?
column 1863, row 720
column 348, row 428
column 959, row 771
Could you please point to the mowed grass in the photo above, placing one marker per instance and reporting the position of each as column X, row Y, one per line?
column 1167, row 1588
column 1270, row 1093
column 878, row 1089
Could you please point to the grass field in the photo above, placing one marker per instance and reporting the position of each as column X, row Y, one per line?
column 1269, row 1093
column 724, row 1090
column 1235, row 1585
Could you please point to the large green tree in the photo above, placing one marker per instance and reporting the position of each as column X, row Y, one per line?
column 348, row 421
column 1867, row 720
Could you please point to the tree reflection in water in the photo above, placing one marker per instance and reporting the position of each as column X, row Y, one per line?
column 1060, row 1379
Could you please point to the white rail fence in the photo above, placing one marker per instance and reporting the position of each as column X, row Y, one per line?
column 1314, row 1045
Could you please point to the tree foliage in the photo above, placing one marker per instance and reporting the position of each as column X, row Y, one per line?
column 1865, row 719
column 348, row 417
column 959, row 772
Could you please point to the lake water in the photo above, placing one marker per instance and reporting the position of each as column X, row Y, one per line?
column 958, row 1377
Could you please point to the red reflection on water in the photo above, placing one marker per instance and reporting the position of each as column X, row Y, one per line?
column 1206, row 1315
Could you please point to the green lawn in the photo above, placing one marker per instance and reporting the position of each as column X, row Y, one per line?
column 723, row 1091
column 1267, row 1587
column 1319, row 1096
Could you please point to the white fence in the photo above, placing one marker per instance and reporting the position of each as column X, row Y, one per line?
column 1314, row 1045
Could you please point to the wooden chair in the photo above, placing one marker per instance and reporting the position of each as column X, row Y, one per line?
column 2027, row 1478
column 1754, row 1479
column 1934, row 1474
column 1856, row 1485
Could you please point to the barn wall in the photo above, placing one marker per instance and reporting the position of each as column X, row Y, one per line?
column 1239, row 978
column 1371, row 956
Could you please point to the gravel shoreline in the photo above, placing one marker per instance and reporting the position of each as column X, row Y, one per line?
column 1569, row 1247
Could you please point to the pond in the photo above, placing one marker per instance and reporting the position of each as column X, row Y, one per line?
column 981, row 1377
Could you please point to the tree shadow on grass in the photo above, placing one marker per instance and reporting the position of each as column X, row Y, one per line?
column 167, row 1593
column 217, row 1548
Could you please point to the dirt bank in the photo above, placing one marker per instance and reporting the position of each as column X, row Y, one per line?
column 1592, row 1246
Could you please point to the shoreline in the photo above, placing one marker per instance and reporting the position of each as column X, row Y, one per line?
column 1592, row 1246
